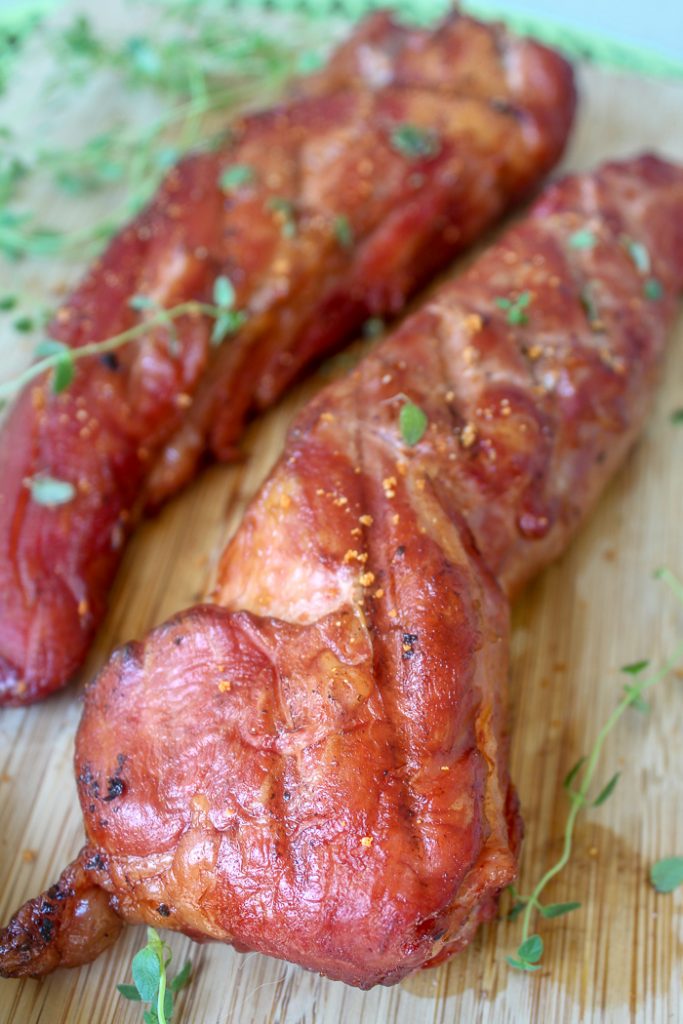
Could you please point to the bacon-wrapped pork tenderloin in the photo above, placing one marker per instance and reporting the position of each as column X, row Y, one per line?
column 314, row 766
column 321, row 213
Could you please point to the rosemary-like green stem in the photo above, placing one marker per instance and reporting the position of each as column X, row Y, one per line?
column 97, row 348
column 161, row 996
column 578, row 796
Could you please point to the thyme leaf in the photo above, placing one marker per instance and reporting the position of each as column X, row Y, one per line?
column 151, row 983
column 665, row 875
column 415, row 143
column 412, row 422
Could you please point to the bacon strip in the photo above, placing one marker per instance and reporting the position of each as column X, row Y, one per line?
column 315, row 765
column 341, row 218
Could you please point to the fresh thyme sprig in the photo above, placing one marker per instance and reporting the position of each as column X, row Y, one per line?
column 577, row 785
column 151, row 982
column 192, row 62
column 58, row 357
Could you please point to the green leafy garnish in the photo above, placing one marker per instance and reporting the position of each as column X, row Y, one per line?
column 415, row 143
column 666, row 875
column 606, row 791
column 677, row 417
column 590, row 307
column 515, row 308
column 24, row 324
column 228, row 320
column 634, row 668
column 56, row 356
column 529, row 952
column 558, row 909
column 373, row 327
column 141, row 302
column 236, row 176
column 223, row 292
column 582, row 239
column 285, row 211
column 573, row 772
column 151, row 983
column 343, row 231
column 8, row 302
column 413, row 423
column 63, row 372
column 652, row 289
column 195, row 66
column 49, row 491
column 631, row 690
column 640, row 256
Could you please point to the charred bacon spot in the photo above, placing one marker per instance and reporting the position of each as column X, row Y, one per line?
column 90, row 784
column 115, row 788
column 164, row 910
column 95, row 863
column 55, row 892
column 110, row 360
column 502, row 106
column 408, row 644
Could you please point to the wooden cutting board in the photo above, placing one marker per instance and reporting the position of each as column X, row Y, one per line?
column 619, row 958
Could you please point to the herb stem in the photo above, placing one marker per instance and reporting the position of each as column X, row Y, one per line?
column 578, row 796
column 95, row 348
column 161, row 996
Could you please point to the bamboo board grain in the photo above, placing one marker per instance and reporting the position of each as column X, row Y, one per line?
column 620, row 958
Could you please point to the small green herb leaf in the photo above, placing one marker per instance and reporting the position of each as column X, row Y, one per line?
column 573, row 772
column 225, row 324
column 415, row 143
column 236, row 176
column 8, row 302
column 638, row 703
column 285, row 210
column 606, row 791
column 373, row 327
column 49, row 347
column 677, row 417
column 309, row 61
column 182, row 978
column 49, row 491
column 146, row 969
column 640, row 256
column 666, row 875
column 130, row 992
column 515, row 308
column 413, row 423
column 634, row 668
column 151, row 982
column 223, row 293
column 141, row 302
column 515, row 910
column 558, row 909
column 63, row 373
column 590, row 306
column 652, row 289
column 522, row 965
column 531, row 949
column 24, row 324
column 343, row 231
column 582, row 239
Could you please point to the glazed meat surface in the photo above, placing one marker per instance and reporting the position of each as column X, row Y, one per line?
column 314, row 766
column 348, row 199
